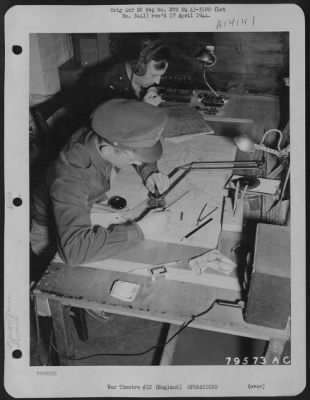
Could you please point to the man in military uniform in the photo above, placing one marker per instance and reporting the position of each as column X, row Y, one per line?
column 124, row 133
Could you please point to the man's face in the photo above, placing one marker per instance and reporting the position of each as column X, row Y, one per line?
column 154, row 71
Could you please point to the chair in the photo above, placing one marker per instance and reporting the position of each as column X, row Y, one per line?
column 55, row 120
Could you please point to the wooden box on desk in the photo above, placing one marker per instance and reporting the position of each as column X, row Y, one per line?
column 269, row 297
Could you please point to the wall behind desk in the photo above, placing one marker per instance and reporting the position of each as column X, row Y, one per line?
column 247, row 62
column 251, row 62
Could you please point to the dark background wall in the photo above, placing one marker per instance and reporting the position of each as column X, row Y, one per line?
column 253, row 62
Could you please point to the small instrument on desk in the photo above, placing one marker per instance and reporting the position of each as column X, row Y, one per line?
column 175, row 94
column 212, row 259
column 117, row 202
column 157, row 200
column 207, row 101
column 251, row 182
column 201, row 217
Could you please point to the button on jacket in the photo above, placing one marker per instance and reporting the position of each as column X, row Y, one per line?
column 79, row 178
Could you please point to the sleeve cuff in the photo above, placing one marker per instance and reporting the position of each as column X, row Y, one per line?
column 135, row 233
column 146, row 170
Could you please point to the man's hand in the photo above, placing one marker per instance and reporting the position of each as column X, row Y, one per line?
column 158, row 179
column 154, row 222
column 152, row 97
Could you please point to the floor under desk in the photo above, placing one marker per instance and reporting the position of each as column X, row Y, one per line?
column 128, row 335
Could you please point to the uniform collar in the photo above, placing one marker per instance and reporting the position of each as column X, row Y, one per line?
column 131, row 76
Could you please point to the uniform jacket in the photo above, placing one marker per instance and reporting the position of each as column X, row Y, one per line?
column 77, row 179
column 103, row 84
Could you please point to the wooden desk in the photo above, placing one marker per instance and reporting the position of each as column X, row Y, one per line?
column 163, row 300
column 245, row 115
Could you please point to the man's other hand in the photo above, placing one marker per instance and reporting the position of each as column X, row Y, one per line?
column 158, row 179
column 152, row 97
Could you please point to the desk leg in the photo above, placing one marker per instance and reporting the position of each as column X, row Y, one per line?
column 62, row 326
column 169, row 349
column 275, row 350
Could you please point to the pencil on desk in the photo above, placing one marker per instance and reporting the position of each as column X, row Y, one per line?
column 242, row 196
column 236, row 196
column 196, row 229
column 244, row 192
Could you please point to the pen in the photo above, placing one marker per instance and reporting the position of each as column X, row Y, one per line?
column 197, row 229
column 242, row 197
column 244, row 192
column 236, row 196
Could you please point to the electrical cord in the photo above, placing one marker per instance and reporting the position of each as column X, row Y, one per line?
column 141, row 353
column 208, row 84
column 271, row 131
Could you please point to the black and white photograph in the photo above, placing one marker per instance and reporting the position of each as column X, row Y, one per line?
column 154, row 166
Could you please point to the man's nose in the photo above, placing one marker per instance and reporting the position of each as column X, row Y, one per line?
column 157, row 79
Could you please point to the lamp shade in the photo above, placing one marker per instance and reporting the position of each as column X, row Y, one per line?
column 206, row 56
column 244, row 144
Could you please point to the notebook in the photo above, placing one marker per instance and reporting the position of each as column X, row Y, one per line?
column 185, row 121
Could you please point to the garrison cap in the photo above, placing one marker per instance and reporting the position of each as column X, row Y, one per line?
column 133, row 125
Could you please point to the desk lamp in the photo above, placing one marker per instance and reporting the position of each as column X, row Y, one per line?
column 247, row 145
column 208, row 59
column 207, row 56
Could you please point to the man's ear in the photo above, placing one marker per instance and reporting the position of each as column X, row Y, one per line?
column 107, row 150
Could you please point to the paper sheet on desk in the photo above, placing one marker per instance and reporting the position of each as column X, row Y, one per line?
column 198, row 148
column 183, row 218
column 205, row 186
column 201, row 148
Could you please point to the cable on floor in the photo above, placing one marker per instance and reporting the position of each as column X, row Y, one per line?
column 141, row 353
